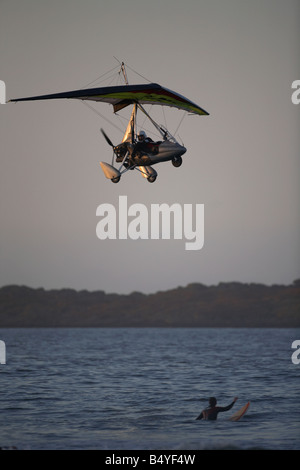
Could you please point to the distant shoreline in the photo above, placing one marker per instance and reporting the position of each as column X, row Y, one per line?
column 231, row 305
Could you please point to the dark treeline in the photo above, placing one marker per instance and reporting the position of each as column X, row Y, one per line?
column 231, row 304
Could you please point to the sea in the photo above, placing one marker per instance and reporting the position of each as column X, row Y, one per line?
column 143, row 388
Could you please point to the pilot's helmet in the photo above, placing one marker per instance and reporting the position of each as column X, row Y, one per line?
column 142, row 135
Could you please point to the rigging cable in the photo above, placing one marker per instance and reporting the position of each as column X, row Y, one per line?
column 96, row 79
column 184, row 114
column 101, row 115
column 138, row 73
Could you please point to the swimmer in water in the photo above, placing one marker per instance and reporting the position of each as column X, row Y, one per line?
column 212, row 411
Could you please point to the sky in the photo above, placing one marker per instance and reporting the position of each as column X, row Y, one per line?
column 235, row 58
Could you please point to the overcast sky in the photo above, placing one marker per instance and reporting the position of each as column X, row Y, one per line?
column 235, row 58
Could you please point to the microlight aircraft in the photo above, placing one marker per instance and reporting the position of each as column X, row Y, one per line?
column 133, row 153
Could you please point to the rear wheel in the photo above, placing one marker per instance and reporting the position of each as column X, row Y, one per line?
column 116, row 179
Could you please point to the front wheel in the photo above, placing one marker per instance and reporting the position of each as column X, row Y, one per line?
column 177, row 161
column 151, row 178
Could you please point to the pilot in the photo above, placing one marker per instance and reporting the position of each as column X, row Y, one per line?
column 142, row 137
column 141, row 145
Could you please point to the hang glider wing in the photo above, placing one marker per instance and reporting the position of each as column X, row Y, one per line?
column 121, row 96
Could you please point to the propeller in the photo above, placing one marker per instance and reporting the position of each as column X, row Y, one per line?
column 107, row 139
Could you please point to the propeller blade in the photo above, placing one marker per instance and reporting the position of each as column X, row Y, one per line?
column 107, row 138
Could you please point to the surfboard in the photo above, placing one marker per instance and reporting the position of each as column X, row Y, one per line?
column 238, row 414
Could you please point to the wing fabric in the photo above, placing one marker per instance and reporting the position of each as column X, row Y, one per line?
column 121, row 96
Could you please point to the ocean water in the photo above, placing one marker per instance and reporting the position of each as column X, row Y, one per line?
column 135, row 388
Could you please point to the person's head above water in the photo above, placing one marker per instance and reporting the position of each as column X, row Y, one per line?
column 212, row 401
